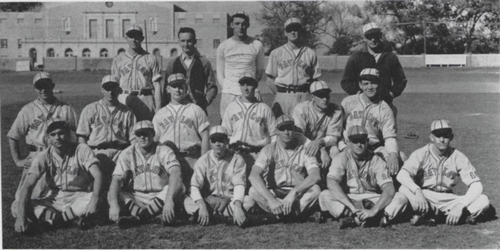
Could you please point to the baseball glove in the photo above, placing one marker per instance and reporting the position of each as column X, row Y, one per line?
column 218, row 203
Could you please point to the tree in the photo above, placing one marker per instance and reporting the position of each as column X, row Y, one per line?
column 344, row 24
column 20, row 6
column 275, row 14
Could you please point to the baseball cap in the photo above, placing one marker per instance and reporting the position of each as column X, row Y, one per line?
column 134, row 30
column 370, row 74
column 241, row 14
column 293, row 21
column 284, row 120
column 319, row 86
column 248, row 78
column 143, row 125
column 57, row 124
column 357, row 132
column 109, row 78
column 217, row 131
column 41, row 76
column 176, row 78
column 371, row 28
column 440, row 124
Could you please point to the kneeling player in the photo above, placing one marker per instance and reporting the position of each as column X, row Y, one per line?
column 429, row 175
column 219, row 181
column 68, row 169
column 368, row 183
column 155, row 181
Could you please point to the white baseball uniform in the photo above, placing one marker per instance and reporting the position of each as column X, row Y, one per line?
column 363, row 179
column 137, row 72
column 437, row 176
column 318, row 125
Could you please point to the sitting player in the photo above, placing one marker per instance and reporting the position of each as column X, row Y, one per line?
column 152, row 178
column 218, row 183
column 284, row 179
column 429, row 175
column 366, row 179
column 69, row 169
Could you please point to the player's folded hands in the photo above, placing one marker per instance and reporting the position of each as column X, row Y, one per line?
column 365, row 214
column 288, row 202
column 453, row 211
column 275, row 206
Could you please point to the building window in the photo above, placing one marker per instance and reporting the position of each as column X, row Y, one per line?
column 20, row 21
column 38, row 21
column 68, row 52
column 182, row 17
column 199, row 18
column 216, row 20
column 216, row 43
column 153, row 24
column 86, row 53
column 66, row 23
column 125, row 26
column 93, row 28
column 110, row 31
column 156, row 52
column 173, row 52
column 19, row 43
column 3, row 43
column 50, row 52
column 120, row 51
column 104, row 53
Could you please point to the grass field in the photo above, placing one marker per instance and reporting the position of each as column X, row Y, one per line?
column 469, row 98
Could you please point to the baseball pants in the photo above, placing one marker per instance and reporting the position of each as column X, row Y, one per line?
column 284, row 103
column 227, row 98
column 191, row 206
column 187, row 167
column 441, row 200
column 304, row 201
column 153, row 202
column 107, row 162
column 328, row 203
column 143, row 106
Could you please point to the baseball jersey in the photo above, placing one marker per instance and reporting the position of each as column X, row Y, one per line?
column 149, row 174
column 289, row 167
column 234, row 58
column 219, row 177
column 34, row 118
column 99, row 124
column 365, row 176
column 377, row 118
column 313, row 124
column 252, row 123
column 439, row 173
column 67, row 173
column 137, row 71
column 287, row 68
column 180, row 124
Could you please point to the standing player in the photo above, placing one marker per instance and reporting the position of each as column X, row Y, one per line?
column 152, row 178
column 238, row 55
column 392, row 77
column 250, row 123
column 366, row 179
column 139, row 76
column 197, row 70
column 106, row 126
column 32, row 122
column 218, row 183
column 367, row 110
column 284, row 179
column 429, row 175
column 183, row 126
column 291, row 69
column 68, row 168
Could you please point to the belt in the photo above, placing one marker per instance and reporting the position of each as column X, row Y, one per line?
column 138, row 92
column 441, row 191
column 304, row 88
column 33, row 148
column 245, row 148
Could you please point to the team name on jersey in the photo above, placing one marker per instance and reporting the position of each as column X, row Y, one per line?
column 452, row 175
column 284, row 164
column 183, row 120
column 115, row 122
column 157, row 170
column 290, row 62
column 40, row 120
column 74, row 171
column 253, row 116
column 240, row 55
column 128, row 67
column 369, row 118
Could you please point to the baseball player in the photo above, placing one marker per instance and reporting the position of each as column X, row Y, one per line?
column 152, row 181
column 358, row 175
column 106, row 126
column 68, row 168
column 139, row 76
column 290, row 70
column 429, row 175
column 284, row 179
column 249, row 122
column 218, row 182
column 183, row 126
column 369, row 111
column 392, row 77
column 320, row 121
column 197, row 70
column 235, row 56
column 32, row 122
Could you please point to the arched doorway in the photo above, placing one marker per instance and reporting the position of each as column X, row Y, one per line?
column 156, row 52
column 120, row 51
column 50, row 52
column 103, row 53
column 68, row 52
column 86, row 53
column 173, row 52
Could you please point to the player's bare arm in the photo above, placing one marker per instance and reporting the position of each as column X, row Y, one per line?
column 339, row 194
column 21, row 224
column 271, row 84
column 257, row 182
column 114, row 190
column 388, row 192
column 97, row 188
column 455, row 209
column 14, row 151
column 239, row 213
column 174, row 190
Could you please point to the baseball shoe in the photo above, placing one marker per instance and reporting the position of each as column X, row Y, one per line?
column 471, row 220
column 384, row 221
column 318, row 217
column 83, row 223
column 128, row 221
column 347, row 222
column 417, row 220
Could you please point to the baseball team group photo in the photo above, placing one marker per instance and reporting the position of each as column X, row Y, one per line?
column 266, row 143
